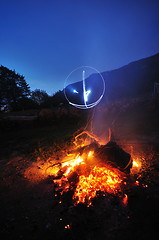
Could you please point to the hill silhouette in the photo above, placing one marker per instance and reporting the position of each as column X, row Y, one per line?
column 133, row 80
column 130, row 81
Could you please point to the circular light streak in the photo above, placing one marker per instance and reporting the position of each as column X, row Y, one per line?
column 84, row 87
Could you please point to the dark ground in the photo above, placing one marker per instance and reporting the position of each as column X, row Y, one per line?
column 31, row 211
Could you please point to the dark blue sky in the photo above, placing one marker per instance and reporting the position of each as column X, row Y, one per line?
column 46, row 39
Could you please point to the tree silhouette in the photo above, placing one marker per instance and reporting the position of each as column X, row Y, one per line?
column 59, row 98
column 13, row 87
column 39, row 96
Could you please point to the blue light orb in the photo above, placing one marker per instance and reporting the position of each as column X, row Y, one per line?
column 84, row 87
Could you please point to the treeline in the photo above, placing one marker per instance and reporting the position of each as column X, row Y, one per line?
column 15, row 94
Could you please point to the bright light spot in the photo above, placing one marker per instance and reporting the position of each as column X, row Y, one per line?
column 90, row 154
column 137, row 183
column 75, row 91
column 135, row 164
column 86, row 94
column 67, row 226
column 72, row 164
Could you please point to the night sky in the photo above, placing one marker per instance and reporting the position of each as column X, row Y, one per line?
column 46, row 39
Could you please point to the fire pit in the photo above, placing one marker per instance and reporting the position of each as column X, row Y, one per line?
column 91, row 169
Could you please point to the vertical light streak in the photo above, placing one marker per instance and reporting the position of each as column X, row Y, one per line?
column 84, row 89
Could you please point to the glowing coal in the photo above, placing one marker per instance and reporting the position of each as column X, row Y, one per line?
column 91, row 169
column 100, row 179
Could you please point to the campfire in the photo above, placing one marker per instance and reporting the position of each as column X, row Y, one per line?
column 91, row 169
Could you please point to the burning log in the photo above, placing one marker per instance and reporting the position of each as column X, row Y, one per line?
column 90, row 147
column 114, row 155
column 111, row 153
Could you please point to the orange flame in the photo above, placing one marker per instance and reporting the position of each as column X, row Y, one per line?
column 72, row 164
column 136, row 165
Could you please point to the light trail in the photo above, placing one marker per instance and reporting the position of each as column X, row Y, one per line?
column 84, row 89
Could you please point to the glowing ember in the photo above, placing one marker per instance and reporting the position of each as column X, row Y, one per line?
column 125, row 199
column 100, row 179
column 67, row 226
column 135, row 164
column 137, row 183
column 92, row 177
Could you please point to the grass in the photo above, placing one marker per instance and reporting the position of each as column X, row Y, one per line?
column 51, row 127
column 24, row 138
